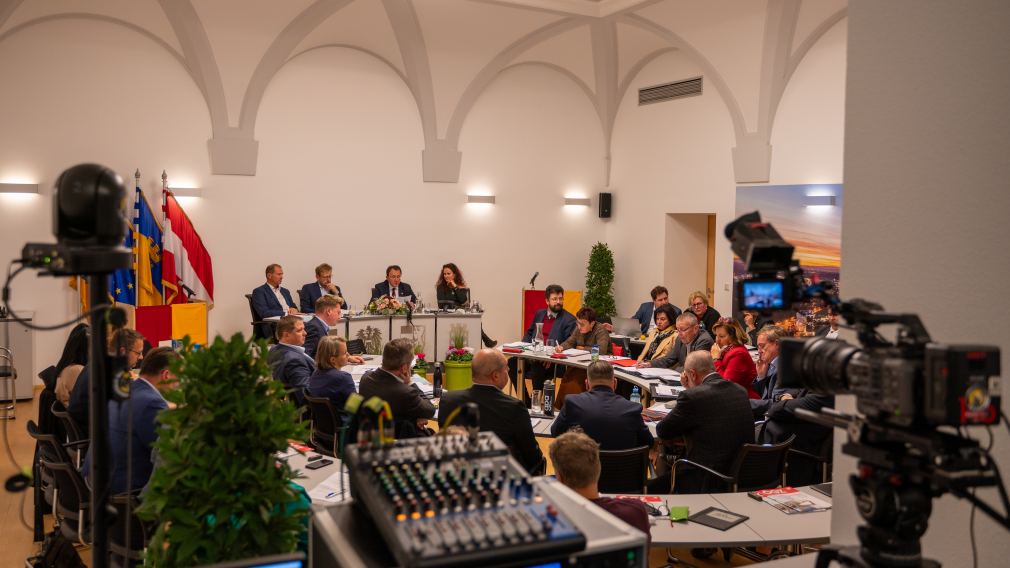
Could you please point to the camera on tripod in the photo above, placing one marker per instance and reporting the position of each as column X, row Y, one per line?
column 913, row 396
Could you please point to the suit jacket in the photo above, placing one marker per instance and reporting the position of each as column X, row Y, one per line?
column 560, row 331
column 676, row 357
column 147, row 402
column 645, row 312
column 783, row 422
column 333, row 384
column 404, row 400
column 403, row 291
column 605, row 416
column 308, row 295
column 598, row 335
column 715, row 418
column 266, row 305
column 315, row 330
column 292, row 367
column 499, row 413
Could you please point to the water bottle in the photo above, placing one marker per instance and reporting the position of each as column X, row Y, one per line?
column 436, row 389
column 538, row 338
column 595, row 353
column 549, row 397
column 636, row 397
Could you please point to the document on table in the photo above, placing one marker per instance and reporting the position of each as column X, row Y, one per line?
column 329, row 490
column 575, row 352
column 361, row 369
column 655, row 372
column 427, row 388
column 518, row 344
column 615, row 358
column 668, row 391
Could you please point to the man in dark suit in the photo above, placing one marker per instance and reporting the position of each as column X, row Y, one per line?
column 605, row 416
column 690, row 338
column 392, row 384
column 327, row 314
column 499, row 412
column 766, row 384
column 133, row 426
column 810, row 437
column 125, row 342
column 829, row 331
column 271, row 300
column 558, row 325
column 288, row 361
column 323, row 286
column 713, row 414
column 393, row 287
column 660, row 295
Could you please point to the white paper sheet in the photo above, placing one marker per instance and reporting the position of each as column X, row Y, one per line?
column 657, row 372
column 575, row 352
column 666, row 390
column 329, row 490
column 518, row 344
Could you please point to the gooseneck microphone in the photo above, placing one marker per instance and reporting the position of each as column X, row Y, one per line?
column 534, row 279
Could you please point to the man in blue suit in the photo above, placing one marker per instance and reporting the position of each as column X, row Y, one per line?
column 288, row 361
column 271, row 300
column 323, row 286
column 660, row 296
column 393, row 287
column 136, row 417
column 766, row 383
column 605, row 416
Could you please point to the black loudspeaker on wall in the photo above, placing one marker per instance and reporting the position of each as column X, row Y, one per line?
column 605, row 205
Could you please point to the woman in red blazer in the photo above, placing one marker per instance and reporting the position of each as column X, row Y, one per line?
column 732, row 359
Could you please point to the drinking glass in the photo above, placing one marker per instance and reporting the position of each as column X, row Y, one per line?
column 537, row 402
column 550, row 345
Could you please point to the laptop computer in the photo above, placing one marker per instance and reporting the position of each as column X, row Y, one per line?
column 627, row 326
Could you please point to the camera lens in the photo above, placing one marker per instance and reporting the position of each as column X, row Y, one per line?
column 817, row 364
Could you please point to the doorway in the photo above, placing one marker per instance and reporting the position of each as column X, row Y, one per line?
column 689, row 256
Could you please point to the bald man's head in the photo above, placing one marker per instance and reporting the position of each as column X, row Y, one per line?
column 697, row 366
column 490, row 368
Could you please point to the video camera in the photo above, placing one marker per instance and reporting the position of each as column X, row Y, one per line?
column 913, row 396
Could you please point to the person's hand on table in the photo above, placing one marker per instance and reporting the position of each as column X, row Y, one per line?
column 292, row 311
column 356, row 359
column 643, row 364
column 558, row 348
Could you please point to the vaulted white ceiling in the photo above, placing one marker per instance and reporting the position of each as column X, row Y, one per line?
column 449, row 51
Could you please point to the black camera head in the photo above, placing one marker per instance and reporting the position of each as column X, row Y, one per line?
column 89, row 207
column 759, row 245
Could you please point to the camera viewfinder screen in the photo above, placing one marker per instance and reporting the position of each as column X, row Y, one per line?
column 762, row 295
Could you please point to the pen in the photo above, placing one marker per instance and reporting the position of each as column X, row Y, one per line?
column 330, row 494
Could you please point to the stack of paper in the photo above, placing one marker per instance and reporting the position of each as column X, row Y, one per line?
column 518, row 345
column 655, row 372
column 575, row 352
column 329, row 491
column 790, row 500
column 668, row 391
column 427, row 388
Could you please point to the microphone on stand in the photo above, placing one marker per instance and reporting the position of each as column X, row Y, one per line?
column 534, row 279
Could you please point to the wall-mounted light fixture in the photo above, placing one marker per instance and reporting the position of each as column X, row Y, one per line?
column 186, row 191
column 485, row 199
column 19, row 188
column 819, row 201
column 583, row 201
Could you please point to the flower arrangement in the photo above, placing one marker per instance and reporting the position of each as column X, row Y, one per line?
column 420, row 365
column 386, row 306
column 459, row 354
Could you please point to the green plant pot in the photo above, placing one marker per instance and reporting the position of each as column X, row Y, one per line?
column 458, row 375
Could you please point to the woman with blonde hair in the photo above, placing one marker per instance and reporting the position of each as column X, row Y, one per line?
column 698, row 303
column 732, row 359
column 329, row 381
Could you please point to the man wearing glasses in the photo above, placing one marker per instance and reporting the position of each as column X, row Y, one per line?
column 124, row 342
column 690, row 337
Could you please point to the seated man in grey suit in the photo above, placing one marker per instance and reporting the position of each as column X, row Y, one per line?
column 605, row 416
column 713, row 414
column 288, row 361
column 766, row 383
column 499, row 413
column 690, row 337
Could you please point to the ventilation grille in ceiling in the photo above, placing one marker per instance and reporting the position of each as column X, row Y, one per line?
column 670, row 91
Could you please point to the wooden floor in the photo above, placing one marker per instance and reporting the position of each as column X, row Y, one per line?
column 16, row 540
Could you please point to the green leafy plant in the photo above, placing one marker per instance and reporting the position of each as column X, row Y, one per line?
column 218, row 493
column 600, row 281
column 458, row 335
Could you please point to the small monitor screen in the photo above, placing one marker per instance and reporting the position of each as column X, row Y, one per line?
column 763, row 294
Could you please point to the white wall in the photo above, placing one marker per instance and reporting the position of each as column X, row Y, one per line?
column 926, row 201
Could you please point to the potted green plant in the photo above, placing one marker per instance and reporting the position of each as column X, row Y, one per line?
column 600, row 281
column 458, row 360
column 218, row 493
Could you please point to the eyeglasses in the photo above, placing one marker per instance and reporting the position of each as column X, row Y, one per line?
column 138, row 353
column 697, row 304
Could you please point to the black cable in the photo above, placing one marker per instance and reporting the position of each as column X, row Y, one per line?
column 1005, row 422
column 28, row 323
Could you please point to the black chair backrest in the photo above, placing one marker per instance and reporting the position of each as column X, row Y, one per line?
column 328, row 424
column 760, row 466
column 70, row 425
column 74, row 494
column 356, row 346
column 50, row 448
column 624, row 471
